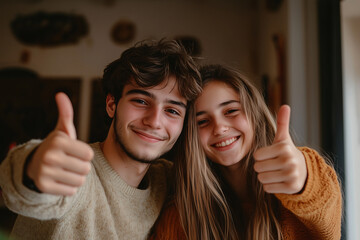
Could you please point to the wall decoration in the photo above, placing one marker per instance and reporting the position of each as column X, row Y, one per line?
column 123, row 32
column 275, row 90
column 25, row 56
column 273, row 5
column 191, row 44
column 49, row 29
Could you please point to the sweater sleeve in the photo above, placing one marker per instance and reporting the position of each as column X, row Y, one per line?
column 319, row 205
column 22, row 200
column 168, row 225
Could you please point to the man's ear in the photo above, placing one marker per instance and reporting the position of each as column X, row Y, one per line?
column 110, row 105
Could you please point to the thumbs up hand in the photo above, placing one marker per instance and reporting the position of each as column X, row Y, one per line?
column 61, row 163
column 281, row 167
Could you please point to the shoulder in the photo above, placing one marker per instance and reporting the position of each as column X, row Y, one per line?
column 162, row 163
column 320, row 170
column 168, row 225
column 320, row 203
column 161, row 171
column 321, row 181
column 161, row 167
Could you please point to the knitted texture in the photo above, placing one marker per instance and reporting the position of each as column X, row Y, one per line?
column 315, row 213
column 105, row 207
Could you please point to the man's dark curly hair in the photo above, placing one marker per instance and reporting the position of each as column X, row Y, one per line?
column 147, row 64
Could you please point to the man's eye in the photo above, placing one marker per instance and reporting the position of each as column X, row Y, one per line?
column 173, row 111
column 140, row 101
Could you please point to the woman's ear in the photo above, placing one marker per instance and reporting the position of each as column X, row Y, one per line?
column 110, row 105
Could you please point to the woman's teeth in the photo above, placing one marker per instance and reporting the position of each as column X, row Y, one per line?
column 226, row 143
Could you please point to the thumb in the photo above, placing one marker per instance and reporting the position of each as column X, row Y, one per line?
column 283, row 122
column 66, row 113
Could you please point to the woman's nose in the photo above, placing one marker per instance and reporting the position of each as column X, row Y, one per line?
column 220, row 128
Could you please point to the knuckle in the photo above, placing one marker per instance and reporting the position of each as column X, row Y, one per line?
column 284, row 161
column 287, row 148
column 293, row 187
column 261, row 178
column 256, row 167
column 42, row 185
column 40, row 174
column 73, row 191
column 295, row 174
column 267, row 188
column 292, row 175
column 80, row 181
column 49, row 158
column 289, row 162
column 292, row 164
column 89, row 154
column 87, row 168
column 69, row 191
column 57, row 141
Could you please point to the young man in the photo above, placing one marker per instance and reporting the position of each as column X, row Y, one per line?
column 63, row 188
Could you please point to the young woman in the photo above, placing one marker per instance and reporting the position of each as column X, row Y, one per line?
column 246, row 179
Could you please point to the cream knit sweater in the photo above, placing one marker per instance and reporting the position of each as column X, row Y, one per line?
column 105, row 207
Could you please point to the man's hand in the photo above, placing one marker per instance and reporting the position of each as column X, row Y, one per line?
column 61, row 163
column 281, row 167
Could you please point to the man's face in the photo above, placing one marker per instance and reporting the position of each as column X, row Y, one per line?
column 148, row 122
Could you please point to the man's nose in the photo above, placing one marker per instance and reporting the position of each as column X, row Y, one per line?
column 153, row 118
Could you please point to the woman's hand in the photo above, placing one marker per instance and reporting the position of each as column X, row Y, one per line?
column 281, row 167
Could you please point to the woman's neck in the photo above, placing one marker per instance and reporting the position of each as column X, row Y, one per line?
column 235, row 176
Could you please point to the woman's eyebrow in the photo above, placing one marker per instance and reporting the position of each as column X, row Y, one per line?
column 200, row 113
column 228, row 102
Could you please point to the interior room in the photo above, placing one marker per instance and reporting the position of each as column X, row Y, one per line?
column 302, row 53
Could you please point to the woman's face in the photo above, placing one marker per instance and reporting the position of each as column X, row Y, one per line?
column 225, row 133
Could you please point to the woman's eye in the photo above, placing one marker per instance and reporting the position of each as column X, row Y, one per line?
column 231, row 111
column 202, row 122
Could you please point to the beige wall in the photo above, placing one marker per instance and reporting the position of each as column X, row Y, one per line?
column 238, row 33
column 225, row 29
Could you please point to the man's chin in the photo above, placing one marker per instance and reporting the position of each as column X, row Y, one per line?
column 144, row 158
column 146, row 161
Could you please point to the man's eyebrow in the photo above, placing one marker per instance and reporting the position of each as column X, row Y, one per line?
column 220, row 105
column 181, row 104
column 150, row 95
column 139, row 91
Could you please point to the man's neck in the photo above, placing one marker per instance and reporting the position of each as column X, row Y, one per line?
column 132, row 172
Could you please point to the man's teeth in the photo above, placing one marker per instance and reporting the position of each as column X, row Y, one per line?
column 226, row 143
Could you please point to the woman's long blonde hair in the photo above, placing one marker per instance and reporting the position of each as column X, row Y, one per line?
column 203, row 207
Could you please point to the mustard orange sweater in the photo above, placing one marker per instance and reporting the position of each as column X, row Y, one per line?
column 315, row 213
